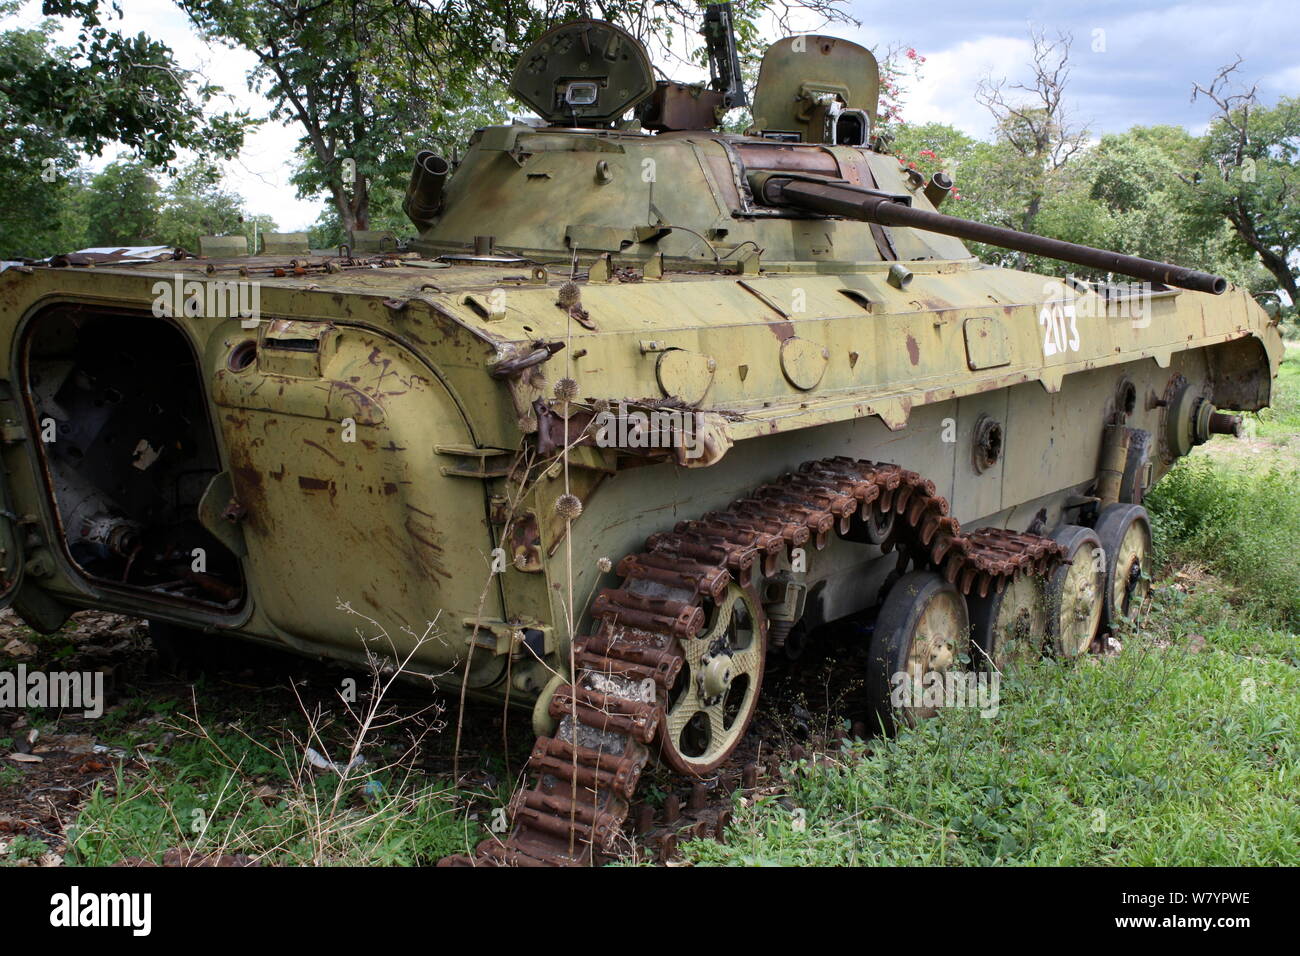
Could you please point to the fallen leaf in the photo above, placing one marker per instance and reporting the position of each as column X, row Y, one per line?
column 19, row 648
column 26, row 758
column 77, row 743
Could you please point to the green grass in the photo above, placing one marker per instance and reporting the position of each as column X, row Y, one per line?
column 1232, row 509
column 1281, row 421
column 226, row 794
column 1157, row 757
column 1184, row 749
column 1241, row 526
column 22, row 851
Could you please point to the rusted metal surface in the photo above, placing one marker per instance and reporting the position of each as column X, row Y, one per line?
column 789, row 158
column 675, row 106
column 583, row 776
column 522, row 359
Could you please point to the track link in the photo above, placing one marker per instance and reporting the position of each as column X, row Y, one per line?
column 583, row 777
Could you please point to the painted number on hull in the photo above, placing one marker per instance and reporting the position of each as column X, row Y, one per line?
column 1061, row 328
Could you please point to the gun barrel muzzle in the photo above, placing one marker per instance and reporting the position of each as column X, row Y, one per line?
column 424, row 192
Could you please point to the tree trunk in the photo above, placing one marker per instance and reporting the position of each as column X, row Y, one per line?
column 1027, row 225
column 361, row 203
column 1276, row 264
column 342, row 203
column 354, row 209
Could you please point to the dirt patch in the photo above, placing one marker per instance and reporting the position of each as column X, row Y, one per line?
column 51, row 759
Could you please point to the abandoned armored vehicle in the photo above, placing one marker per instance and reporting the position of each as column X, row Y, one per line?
column 641, row 405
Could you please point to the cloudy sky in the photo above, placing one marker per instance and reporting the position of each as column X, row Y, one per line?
column 1134, row 63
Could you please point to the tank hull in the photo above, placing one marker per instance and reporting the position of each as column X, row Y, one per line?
column 376, row 446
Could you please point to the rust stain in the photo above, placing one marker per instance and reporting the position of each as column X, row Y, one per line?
column 249, row 491
column 307, row 483
column 913, row 350
column 782, row 330
column 323, row 449
column 427, row 552
column 248, row 476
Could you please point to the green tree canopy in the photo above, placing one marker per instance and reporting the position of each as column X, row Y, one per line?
column 111, row 88
column 122, row 206
column 60, row 102
column 1247, row 173
column 193, row 203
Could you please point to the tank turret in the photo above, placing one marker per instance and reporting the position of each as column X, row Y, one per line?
column 626, row 165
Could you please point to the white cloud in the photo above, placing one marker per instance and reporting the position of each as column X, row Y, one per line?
column 945, row 92
column 1285, row 82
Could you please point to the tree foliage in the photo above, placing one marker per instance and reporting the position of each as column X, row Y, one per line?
column 112, row 88
column 122, row 207
column 1224, row 202
column 1036, row 136
column 35, row 160
column 128, row 204
column 59, row 103
column 1247, row 173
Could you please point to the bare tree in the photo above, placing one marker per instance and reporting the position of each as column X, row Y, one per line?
column 1032, row 118
column 1233, row 108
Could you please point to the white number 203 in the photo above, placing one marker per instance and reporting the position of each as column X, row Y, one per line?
column 1062, row 329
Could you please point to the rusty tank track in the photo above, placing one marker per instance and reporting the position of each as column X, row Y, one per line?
column 584, row 776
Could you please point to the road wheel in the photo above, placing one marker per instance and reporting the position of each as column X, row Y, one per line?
column 715, row 696
column 923, row 628
column 1009, row 626
column 1125, row 533
column 1076, row 592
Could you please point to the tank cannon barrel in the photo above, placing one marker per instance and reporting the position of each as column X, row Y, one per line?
column 869, row 205
column 424, row 192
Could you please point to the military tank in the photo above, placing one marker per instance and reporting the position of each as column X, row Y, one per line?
column 643, row 404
